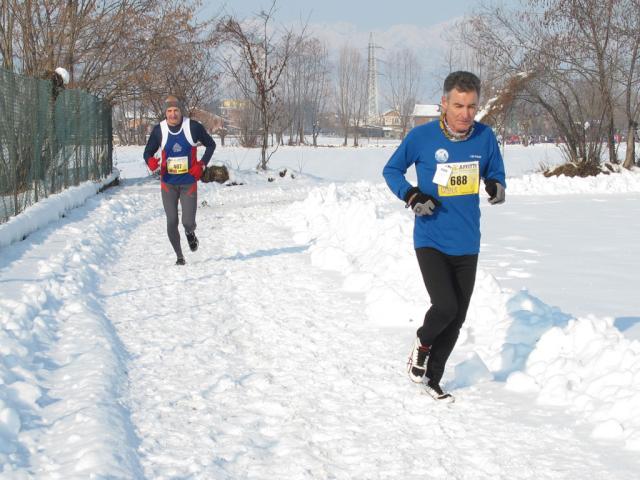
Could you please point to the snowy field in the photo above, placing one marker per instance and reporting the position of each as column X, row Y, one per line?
column 278, row 352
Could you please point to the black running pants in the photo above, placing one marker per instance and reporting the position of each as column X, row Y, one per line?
column 449, row 280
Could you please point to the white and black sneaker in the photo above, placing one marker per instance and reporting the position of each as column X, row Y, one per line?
column 434, row 390
column 417, row 364
column 192, row 240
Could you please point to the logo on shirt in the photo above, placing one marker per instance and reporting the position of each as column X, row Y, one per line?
column 475, row 156
column 442, row 155
column 176, row 148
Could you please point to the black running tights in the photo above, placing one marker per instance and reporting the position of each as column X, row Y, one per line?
column 449, row 280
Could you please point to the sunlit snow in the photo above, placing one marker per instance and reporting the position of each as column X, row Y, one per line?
column 278, row 351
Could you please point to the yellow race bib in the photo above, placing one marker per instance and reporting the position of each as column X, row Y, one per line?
column 177, row 165
column 464, row 180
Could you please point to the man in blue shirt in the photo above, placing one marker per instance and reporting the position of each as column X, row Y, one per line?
column 450, row 155
column 176, row 139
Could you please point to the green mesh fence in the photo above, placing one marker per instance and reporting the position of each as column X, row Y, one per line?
column 48, row 141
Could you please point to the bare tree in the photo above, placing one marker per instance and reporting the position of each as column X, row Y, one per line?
column 179, row 59
column 306, row 90
column 84, row 36
column 284, row 121
column 628, row 21
column 534, row 42
column 182, row 57
column 264, row 53
column 317, row 86
column 594, row 52
column 403, row 77
column 582, row 59
column 463, row 56
column 360, row 99
column 350, row 86
column 289, row 93
column 249, row 126
column 130, row 52
column 497, row 107
column 7, row 26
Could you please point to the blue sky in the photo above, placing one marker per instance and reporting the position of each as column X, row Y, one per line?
column 420, row 25
column 366, row 15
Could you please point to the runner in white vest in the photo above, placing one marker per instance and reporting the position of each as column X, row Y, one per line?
column 172, row 148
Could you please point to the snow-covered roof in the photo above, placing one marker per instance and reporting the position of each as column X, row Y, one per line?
column 426, row 110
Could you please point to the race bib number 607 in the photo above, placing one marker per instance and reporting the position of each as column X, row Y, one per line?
column 177, row 165
column 464, row 180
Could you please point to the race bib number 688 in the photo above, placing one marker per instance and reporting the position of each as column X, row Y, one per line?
column 464, row 180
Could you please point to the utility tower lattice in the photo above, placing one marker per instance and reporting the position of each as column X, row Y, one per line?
column 372, row 85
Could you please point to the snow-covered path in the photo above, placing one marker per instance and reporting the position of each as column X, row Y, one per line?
column 279, row 350
column 251, row 363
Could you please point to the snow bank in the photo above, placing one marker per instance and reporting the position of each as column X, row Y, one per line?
column 49, row 209
column 362, row 231
column 61, row 365
column 625, row 181
column 593, row 369
column 351, row 230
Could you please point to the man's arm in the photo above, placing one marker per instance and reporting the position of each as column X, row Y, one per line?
column 199, row 134
column 495, row 165
column 396, row 168
column 153, row 144
column 494, row 175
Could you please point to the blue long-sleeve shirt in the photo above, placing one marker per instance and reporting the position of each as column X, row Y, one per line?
column 454, row 228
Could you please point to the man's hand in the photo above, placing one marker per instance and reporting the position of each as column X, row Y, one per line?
column 421, row 203
column 153, row 163
column 495, row 191
column 197, row 169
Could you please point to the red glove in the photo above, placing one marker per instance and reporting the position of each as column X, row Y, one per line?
column 196, row 170
column 153, row 164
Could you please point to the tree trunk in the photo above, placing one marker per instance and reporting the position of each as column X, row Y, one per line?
column 265, row 133
column 613, row 157
column 405, row 127
column 263, row 151
column 630, row 156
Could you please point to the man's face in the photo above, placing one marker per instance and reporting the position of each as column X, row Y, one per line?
column 460, row 108
column 174, row 116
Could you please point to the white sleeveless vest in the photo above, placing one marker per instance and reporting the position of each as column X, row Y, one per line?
column 186, row 128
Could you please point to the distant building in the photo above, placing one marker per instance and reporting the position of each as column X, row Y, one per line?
column 132, row 125
column 424, row 113
column 211, row 121
column 232, row 110
column 391, row 124
column 391, row 118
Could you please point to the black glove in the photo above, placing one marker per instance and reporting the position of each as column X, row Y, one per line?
column 420, row 203
column 495, row 190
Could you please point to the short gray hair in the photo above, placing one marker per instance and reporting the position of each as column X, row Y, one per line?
column 463, row 81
